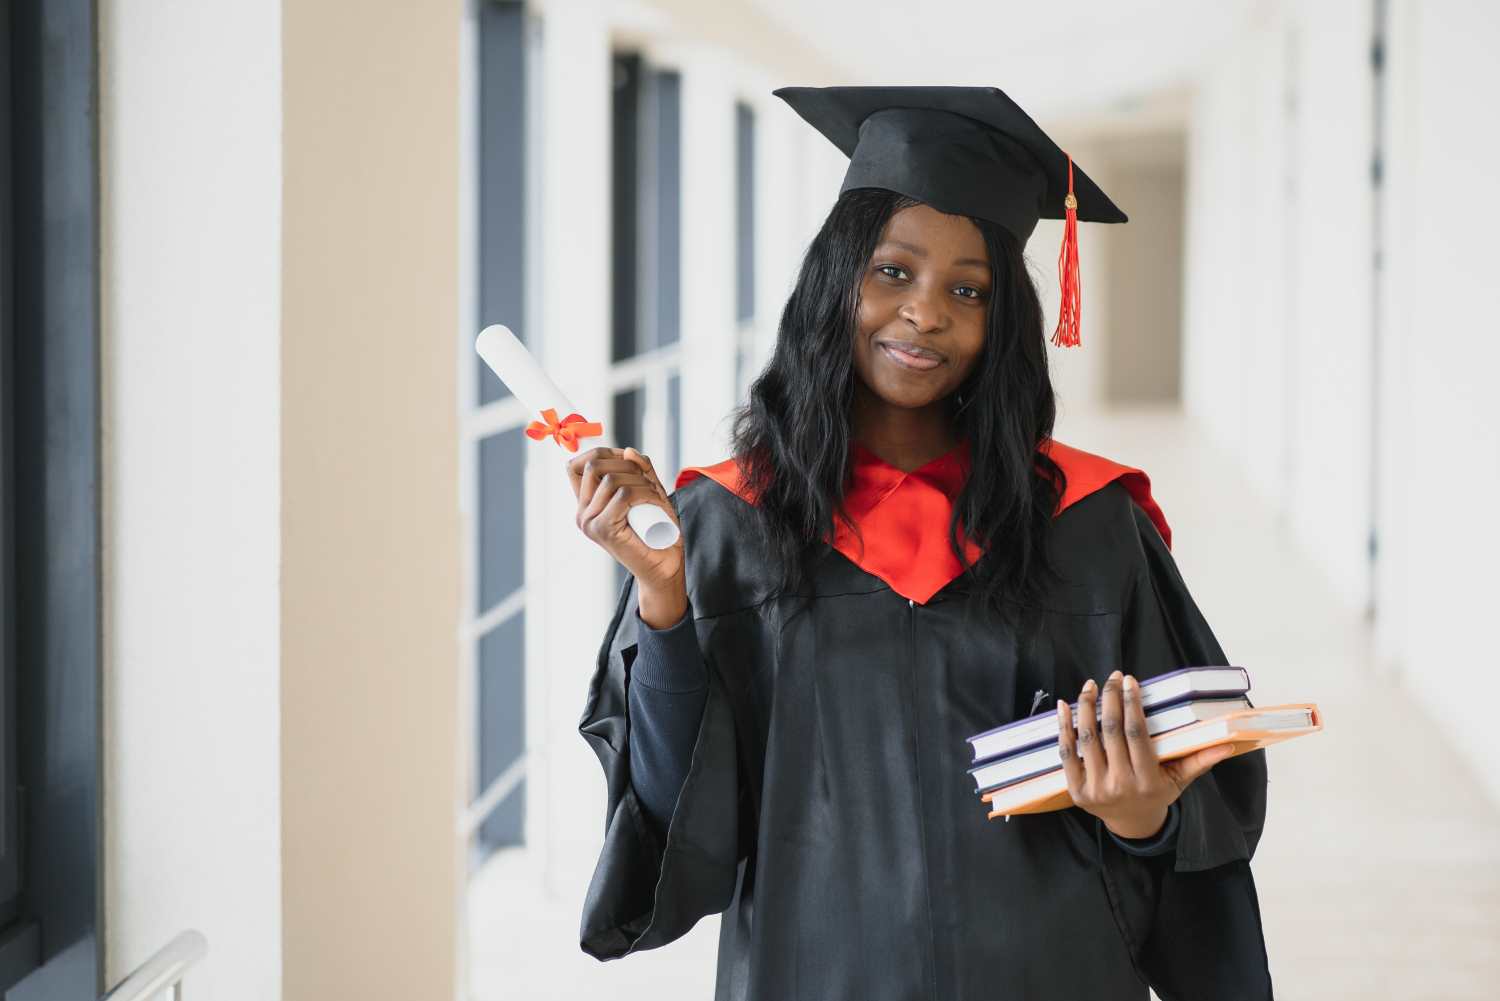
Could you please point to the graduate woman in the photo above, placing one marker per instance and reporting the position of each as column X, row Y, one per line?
column 896, row 556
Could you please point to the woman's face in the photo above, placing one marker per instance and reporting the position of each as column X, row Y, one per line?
column 926, row 289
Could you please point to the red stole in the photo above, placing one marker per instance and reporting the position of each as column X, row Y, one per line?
column 904, row 516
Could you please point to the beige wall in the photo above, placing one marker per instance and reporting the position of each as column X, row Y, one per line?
column 1144, row 294
column 371, row 861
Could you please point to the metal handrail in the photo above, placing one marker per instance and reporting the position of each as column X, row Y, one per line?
column 165, row 969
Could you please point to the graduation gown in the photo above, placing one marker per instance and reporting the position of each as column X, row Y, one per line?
column 827, row 809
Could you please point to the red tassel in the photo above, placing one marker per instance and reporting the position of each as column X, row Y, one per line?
column 1070, row 309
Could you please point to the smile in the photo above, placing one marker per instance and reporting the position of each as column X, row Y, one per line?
column 908, row 360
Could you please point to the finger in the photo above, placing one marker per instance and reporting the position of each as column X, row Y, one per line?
column 1067, row 749
column 1112, row 729
column 615, row 518
column 610, row 526
column 595, row 470
column 1184, row 770
column 1137, row 735
column 644, row 462
column 1095, row 765
column 611, row 483
column 577, row 464
column 601, row 481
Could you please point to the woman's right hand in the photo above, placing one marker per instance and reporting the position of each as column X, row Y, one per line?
column 607, row 483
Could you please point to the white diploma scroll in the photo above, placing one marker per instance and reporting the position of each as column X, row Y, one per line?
column 508, row 358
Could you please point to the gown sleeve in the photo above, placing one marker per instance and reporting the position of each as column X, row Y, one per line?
column 1224, row 810
column 1160, row 843
column 651, row 886
column 667, row 689
column 1195, row 909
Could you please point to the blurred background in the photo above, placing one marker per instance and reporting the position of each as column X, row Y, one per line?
column 298, row 626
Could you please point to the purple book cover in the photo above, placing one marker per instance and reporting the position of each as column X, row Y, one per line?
column 1156, row 684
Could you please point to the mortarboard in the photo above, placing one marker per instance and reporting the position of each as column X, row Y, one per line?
column 966, row 151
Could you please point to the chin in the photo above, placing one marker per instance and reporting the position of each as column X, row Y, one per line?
column 902, row 397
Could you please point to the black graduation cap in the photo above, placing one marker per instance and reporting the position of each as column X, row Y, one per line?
column 966, row 151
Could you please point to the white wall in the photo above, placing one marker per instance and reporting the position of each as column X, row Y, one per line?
column 1277, row 313
column 191, row 263
column 1281, row 355
column 1440, row 460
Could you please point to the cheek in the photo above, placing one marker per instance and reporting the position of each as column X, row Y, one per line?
column 973, row 346
column 867, row 314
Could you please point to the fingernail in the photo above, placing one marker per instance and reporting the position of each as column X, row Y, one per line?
column 1113, row 675
column 1089, row 686
column 1130, row 683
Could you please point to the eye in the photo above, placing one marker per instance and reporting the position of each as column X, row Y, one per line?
column 886, row 270
column 976, row 293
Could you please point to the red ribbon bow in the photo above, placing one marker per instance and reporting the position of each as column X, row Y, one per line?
column 566, row 432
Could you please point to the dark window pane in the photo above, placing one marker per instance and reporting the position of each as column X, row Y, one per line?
column 502, row 517
column 51, row 746
column 627, row 431
column 646, row 185
column 625, row 207
column 744, row 212
column 506, row 824
column 628, row 409
column 502, row 724
column 502, row 177
column 667, row 98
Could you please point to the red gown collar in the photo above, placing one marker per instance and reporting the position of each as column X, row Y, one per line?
column 903, row 516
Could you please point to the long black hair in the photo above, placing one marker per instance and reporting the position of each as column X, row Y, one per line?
column 792, row 438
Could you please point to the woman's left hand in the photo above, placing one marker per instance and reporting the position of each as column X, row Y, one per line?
column 1118, row 778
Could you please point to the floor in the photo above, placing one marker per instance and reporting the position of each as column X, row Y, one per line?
column 1379, row 870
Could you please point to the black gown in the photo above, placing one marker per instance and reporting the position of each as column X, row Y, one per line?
column 827, row 809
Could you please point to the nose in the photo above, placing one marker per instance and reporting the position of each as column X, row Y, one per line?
column 924, row 311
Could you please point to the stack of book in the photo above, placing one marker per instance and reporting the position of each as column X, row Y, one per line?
column 1017, row 768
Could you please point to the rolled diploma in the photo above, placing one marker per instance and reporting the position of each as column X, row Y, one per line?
column 515, row 366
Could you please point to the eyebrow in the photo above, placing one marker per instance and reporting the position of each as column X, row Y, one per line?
column 916, row 251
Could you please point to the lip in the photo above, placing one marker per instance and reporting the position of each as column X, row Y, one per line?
column 911, row 356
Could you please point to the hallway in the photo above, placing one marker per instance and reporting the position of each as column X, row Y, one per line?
column 1357, row 904
column 1379, row 869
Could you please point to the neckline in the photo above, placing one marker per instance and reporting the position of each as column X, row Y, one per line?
column 866, row 456
column 872, row 479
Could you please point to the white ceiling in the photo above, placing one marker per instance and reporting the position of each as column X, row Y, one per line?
column 1073, row 60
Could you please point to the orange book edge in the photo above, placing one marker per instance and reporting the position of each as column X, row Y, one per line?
column 1047, row 798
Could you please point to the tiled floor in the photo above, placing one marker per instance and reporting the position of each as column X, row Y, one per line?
column 1379, row 871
